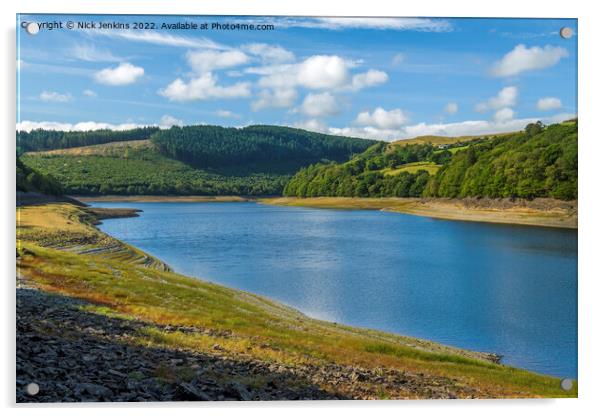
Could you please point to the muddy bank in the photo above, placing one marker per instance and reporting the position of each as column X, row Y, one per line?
column 543, row 212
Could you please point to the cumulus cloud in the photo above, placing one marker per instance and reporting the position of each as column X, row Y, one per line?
column 54, row 96
column 503, row 115
column 123, row 74
column 81, row 126
column 318, row 72
column 209, row 60
column 269, row 54
column 451, row 108
column 549, row 103
column 505, row 98
column 89, row 93
column 276, row 98
column 168, row 121
column 323, row 71
column 464, row 128
column 368, row 79
column 382, row 119
column 522, row 59
column 203, row 87
column 320, row 105
column 312, row 125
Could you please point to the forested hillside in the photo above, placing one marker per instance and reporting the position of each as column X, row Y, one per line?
column 538, row 162
column 129, row 169
column 29, row 180
column 197, row 160
column 36, row 140
column 268, row 149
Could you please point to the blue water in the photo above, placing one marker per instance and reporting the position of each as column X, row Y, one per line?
column 505, row 289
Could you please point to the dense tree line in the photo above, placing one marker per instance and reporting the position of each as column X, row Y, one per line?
column 538, row 162
column 365, row 175
column 49, row 139
column 29, row 180
column 272, row 149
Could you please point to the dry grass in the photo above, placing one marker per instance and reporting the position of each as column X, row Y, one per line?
column 561, row 215
column 105, row 149
column 438, row 140
column 430, row 167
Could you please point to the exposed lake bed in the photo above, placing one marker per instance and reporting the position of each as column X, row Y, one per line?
column 487, row 287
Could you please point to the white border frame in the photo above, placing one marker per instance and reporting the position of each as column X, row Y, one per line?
column 590, row 151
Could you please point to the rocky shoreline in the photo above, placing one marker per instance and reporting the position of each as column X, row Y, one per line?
column 76, row 356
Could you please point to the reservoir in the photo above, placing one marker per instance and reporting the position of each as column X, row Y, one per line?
column 506, row 289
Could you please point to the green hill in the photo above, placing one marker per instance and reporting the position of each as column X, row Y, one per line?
column 195, row 160
column 50, row 139
column 268, row 149
column 538, row 162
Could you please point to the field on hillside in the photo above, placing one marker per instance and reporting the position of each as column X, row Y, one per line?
column 443, row 140
column 414, row 167
column 175, row 312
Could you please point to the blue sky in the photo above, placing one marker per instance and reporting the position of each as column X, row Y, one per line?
column 367, row 77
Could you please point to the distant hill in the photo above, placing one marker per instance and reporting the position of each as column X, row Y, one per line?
column 50, row 139
column 445, row 140
column 538, row 162
column 196, row 160
column 268, row 149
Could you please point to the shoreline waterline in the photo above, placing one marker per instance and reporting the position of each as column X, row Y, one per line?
column 209, row 267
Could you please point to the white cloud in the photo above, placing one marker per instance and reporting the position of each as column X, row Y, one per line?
column 168, row 121
column 398, row 58
column 208, row 60
column 464, row 128
column 123, row 74
column 226, row 114
column 505, row 98
column 382, row 119
column 368, row 79
column 503, row 115
column 204, row 87
column 161, row 38
column 522, row 59
column 269, row 53
column 312, row 125
column 91, row 53
column 81, row 126
column 275, row 98
column 323, row 71
column 55, row 97
column 549, row 103
column 89, row 93
column 377, row 23
column 451, row 108
column 320, row 105
column 318, row 72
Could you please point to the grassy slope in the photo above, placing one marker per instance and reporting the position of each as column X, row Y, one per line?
column 438, row 140
column 120, row 286
column 413, row 167
column 544, row 212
